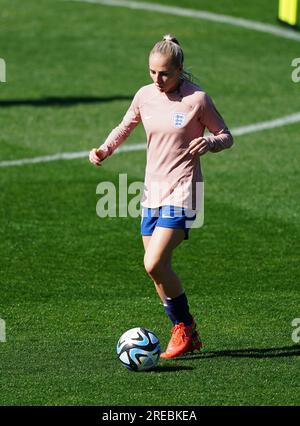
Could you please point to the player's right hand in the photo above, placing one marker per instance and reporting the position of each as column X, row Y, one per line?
column 95, row 157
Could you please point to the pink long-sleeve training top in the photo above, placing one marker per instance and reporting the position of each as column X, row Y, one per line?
column 172, row 121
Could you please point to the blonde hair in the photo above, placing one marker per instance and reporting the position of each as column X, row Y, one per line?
column 169, row 46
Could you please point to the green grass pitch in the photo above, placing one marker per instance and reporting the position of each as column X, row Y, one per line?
column 72, row 283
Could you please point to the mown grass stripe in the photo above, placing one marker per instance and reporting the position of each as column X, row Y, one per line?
column 239, row 131
column 200, row 14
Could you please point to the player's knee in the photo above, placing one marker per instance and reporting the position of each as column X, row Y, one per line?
column 153, row 266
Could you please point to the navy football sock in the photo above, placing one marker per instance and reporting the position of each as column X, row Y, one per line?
column 177, row 310
column 169, row 312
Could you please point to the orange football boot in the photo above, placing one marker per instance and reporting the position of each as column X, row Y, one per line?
column 184, row 339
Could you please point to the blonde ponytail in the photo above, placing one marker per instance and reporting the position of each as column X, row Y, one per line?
column 169, row 46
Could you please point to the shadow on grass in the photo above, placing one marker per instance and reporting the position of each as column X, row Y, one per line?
column 286, row 351
column 63, row 102
column 169, row 368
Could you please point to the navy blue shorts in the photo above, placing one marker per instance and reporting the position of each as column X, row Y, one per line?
column 166, row 217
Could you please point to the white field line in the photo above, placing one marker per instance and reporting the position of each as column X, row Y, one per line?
column 200, row 14
column 239, row 131
column 264, row 125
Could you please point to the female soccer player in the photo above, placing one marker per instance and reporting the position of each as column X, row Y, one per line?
column 175, row 113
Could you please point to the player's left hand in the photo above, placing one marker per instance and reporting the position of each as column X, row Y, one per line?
column 199, row 145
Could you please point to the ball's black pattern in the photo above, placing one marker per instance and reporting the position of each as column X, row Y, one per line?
column 138, row 349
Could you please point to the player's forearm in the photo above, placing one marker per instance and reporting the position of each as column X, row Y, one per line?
column 120, row 133
column 220, row 141
column 116, row 137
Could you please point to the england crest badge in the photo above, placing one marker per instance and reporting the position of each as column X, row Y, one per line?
column 178, row 119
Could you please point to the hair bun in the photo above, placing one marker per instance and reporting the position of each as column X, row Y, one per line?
column 169, row 37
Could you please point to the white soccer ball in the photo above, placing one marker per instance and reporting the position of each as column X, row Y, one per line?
column 138, row 349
